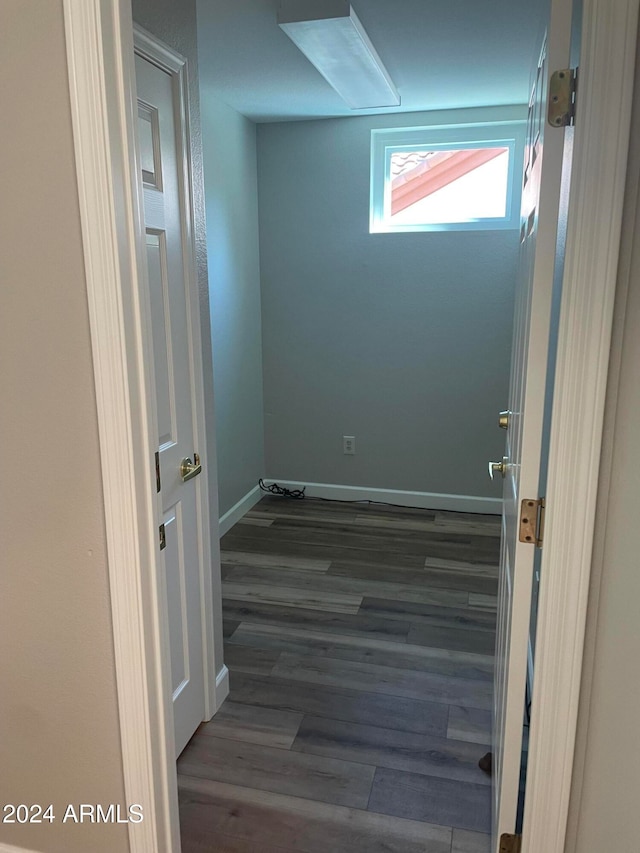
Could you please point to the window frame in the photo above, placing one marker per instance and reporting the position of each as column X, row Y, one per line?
column 386, row 141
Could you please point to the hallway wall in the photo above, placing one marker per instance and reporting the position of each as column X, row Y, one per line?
column 60, row 740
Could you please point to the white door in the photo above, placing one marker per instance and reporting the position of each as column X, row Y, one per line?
column 170, row 268
column 538, row 237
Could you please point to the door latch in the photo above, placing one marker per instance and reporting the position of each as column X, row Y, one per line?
column 499, row 467
column 189, row 469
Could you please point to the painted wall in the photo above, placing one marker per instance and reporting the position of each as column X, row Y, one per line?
column 231, row 191
column 60, row 740
column 174, row 23
column 606, row 779
column 402, row 340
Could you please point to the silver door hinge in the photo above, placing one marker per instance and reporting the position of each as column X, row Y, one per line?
column 163, row 537
column 510, row 843
column 562, row 97
column 532, row 521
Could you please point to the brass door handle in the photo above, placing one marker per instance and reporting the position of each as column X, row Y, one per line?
column 189, row 469
column 498, row 467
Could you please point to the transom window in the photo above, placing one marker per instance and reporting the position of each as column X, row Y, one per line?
column 454, row 178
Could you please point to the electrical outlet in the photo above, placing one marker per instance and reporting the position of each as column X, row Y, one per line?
column 348, row 445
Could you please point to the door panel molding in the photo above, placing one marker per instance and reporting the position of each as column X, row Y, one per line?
column 147, row 46
column 589, row 283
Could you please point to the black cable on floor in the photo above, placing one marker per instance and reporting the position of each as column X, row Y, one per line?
column 275, row 489
column 299, row 494
column 368, row 501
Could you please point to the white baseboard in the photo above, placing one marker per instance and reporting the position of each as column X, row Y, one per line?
column 222, row 688
column 420, row 500
column 238, row 510
column 9, row 848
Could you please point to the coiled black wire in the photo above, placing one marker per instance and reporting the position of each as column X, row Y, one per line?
column 275, row 489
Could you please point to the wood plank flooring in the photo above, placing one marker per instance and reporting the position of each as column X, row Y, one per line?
column 360, row 644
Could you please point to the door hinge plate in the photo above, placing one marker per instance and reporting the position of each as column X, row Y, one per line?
column 510, row 843
column 531, row 530
column 163, row 537
column 562, row 97
column 158, row 481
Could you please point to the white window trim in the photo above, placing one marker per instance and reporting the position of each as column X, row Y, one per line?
column 486, row 135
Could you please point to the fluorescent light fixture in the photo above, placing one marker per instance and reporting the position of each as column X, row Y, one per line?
column 332, row 38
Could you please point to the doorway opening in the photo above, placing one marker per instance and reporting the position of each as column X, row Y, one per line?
column 375, row 320
column 609, row 191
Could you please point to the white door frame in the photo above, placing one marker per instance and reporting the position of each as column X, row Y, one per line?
column 100, row 56
column 100, row 59
column 605, row 89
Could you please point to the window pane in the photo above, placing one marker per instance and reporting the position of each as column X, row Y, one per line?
column 459, row 185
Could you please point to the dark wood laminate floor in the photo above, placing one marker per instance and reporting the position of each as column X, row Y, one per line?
column 360, row 641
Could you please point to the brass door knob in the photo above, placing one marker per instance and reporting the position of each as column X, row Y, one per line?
column 498, row 468
column 503, row 420
column 189, row 469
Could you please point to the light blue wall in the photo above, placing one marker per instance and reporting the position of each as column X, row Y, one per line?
column 230, row 169
column 402, row 340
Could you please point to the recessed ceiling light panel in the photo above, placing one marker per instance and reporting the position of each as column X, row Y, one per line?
column 332, row 38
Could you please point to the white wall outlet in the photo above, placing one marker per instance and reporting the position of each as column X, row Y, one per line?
column 348, row 444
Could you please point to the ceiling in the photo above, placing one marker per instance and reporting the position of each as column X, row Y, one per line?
column 441, row 54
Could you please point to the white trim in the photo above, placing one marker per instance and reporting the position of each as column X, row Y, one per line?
column 494, row 132
column 9, row 848
column 589, row 283
column 626, row 270
column 420, row 500
column 222, row 686
column 148, row 46
column 101, row 77
column 242, row 507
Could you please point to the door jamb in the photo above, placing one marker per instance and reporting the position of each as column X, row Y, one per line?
column 100, row 59
column 601, row 142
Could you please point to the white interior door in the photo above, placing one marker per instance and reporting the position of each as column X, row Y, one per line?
column 539, row 229
column 176, row 379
